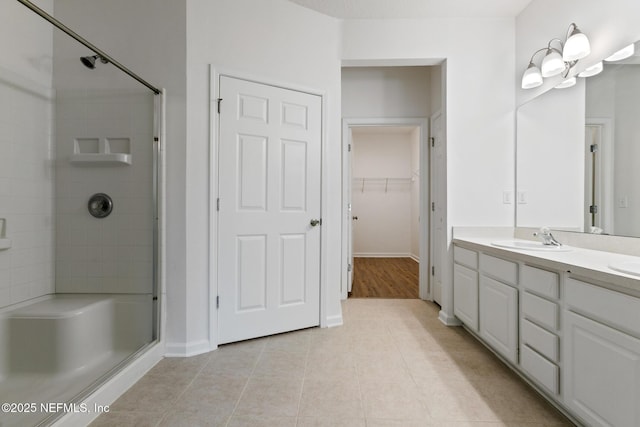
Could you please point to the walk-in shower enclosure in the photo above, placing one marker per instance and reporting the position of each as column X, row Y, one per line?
column 79, row 184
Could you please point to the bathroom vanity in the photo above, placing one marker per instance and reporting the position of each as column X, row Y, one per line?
column 563, row 319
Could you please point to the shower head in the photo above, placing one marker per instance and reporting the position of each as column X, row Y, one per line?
column 90, row 61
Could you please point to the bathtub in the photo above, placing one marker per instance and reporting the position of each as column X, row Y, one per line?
column 56, row 347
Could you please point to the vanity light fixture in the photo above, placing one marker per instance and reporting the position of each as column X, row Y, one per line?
column 557, row 61
column 592, row 71
column 571, row 81
column 623, row 53
column 577, row 45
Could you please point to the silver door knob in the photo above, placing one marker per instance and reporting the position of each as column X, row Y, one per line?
column 314, row 222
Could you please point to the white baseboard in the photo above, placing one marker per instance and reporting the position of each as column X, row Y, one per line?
column 382, row 255
column 333, row 321
column 448, row 320
column 188, row 349
column 415, row 258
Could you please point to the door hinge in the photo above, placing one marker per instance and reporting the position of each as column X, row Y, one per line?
column 433, row 206
column 593, row 148
column 218, row 301
column 433, row 270
column 349, row 148
column 218, row 204
column 219, row 102
column 593, row 209
column 156, row 139
column 433, row 141
column 349, row 267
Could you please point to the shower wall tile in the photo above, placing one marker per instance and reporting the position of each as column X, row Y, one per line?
column 113, row 254
column 26, row 189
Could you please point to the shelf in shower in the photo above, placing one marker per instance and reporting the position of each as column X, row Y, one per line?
column 101, row 158
column 101, row 151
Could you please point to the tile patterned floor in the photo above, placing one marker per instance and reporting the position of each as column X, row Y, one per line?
column 392, row 364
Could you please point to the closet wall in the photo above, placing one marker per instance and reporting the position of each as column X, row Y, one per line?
column 385, row 192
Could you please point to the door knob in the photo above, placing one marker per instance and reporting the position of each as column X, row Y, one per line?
column 355, row 218
column 314, row 222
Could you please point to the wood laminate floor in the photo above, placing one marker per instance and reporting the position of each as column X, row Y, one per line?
column 385, row 278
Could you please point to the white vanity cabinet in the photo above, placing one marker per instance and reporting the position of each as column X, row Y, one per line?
column 601, row 344
column 577, row 342
column 465, row 286
column 499, row 305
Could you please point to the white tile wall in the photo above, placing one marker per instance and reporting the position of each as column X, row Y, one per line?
column 26, row 189
column 113, row 254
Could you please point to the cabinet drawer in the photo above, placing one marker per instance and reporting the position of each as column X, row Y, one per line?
column 540, row 310
column 540, row 369
column 540, row 281
column 503, row 270
column 465, row 257
column 542, row 341
column 610, row 307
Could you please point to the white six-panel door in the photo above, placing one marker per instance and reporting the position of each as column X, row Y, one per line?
column 269, row 189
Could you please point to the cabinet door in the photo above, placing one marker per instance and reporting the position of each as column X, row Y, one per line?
column 465, row 295
column 601, row 373
column 499, row 317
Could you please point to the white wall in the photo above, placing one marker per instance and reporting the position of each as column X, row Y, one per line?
column 415, row 193
column 26, row 153
column 480, row 92
column 609, row 25
column 386, row 92
column 273, row 41
column 384, row 208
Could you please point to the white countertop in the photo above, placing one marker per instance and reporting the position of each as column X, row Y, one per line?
column 587, row 263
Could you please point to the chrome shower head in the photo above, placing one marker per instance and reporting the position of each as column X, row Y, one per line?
column 90, row 61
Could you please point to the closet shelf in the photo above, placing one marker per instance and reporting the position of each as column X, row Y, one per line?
column 361, row 181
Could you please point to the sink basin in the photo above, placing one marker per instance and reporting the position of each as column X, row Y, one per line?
column 528, row 245
column 629, row 267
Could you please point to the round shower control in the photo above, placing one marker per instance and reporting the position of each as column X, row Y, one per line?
column 100, row 205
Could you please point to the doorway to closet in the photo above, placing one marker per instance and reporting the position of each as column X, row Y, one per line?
column 385, row 206
column 387, row 238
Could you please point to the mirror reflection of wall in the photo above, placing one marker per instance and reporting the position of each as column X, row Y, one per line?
column 550, row 160
column 612, row 109
column 578, row 152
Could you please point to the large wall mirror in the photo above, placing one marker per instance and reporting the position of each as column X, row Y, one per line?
column 578, row 154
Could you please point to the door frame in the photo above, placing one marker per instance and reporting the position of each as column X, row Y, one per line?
column 606, row 163
column 215, row 73
column 423, row 124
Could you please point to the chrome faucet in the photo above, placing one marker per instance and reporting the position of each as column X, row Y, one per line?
column 547, row 237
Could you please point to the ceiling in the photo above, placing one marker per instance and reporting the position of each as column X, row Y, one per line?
column 403, row 9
